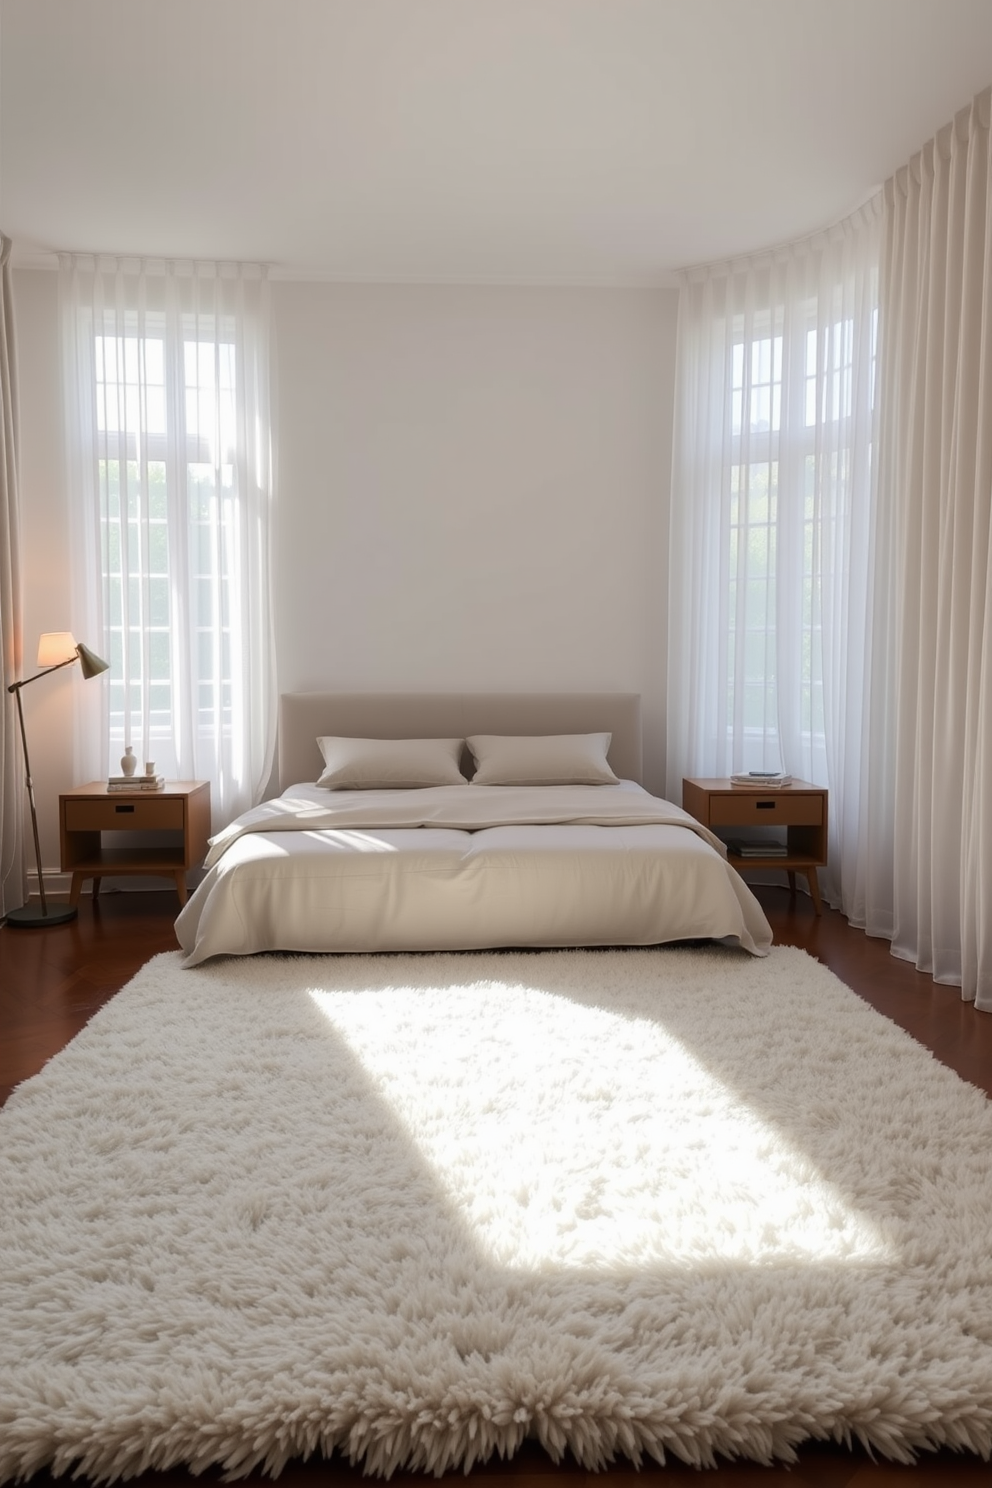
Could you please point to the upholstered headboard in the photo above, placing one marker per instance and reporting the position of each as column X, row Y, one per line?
column 304, row 716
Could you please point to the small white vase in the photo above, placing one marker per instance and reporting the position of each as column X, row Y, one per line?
column 128, row 762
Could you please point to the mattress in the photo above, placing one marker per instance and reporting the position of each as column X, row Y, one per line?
column 465, row 868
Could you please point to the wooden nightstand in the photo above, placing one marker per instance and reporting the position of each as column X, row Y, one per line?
column 182, row 809
column 800, row 807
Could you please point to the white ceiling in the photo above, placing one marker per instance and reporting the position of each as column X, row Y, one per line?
column 488, row 141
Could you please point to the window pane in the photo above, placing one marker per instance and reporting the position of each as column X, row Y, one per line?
column 158, row 601
column 138, row 415
column 156, row 490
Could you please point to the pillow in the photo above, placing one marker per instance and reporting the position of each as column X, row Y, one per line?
column 548, row 759
column 389, row 764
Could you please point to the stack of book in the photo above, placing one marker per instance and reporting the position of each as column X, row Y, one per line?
column 762, row 779
column 751, row 848
column 136, row 783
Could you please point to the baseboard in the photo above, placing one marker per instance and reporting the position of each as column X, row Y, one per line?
column 57, row 885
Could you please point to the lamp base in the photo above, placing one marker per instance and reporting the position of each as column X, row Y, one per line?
column 33, row 917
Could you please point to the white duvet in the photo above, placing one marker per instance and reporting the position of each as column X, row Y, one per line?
column 465, row 868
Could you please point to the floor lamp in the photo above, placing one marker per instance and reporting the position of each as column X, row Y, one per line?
column 55, row 649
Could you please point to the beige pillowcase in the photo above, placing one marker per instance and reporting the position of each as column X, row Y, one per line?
column 544, row 759
column 389, row 764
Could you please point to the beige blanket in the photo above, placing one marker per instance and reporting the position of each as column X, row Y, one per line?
column 465, row 867
column 464, row 808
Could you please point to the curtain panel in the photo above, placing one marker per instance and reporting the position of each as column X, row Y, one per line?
column 13, row 884
column 927, row 793
column 771, row 502
column 169, row 471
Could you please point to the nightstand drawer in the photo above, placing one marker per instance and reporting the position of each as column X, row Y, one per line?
column 124, row 816
column 753, row 809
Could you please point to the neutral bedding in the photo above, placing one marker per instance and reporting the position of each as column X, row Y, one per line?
column 464, row 867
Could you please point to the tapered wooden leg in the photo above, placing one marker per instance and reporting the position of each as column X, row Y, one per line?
column 181, row 884
column 792, row 882
column 76, row 886
column 814, row 890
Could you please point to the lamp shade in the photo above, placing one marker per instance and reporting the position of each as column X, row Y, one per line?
column 89, row 663
column 56, row 647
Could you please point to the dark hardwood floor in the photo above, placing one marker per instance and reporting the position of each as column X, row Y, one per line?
column 52, row 981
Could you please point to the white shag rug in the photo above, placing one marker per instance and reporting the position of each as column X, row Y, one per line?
column 422, row 1207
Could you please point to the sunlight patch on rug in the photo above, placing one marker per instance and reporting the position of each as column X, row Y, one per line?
column 420, row 1208
column 591, row 1140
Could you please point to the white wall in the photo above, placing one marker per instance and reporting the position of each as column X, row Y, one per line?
column 473, row 488
column 473, row 491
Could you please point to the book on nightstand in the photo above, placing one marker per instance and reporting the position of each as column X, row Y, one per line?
column 136, row 783
column 761, row 779
column 750, row 848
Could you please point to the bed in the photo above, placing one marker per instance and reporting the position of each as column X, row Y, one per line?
column 463, row 865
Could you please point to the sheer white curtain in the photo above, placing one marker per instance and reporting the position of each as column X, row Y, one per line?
column 771, row 507
column 169, row 468
column 927, row 802
column 13, row 885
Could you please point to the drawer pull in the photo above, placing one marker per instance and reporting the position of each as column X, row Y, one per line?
column 123, row 808
column 759, row 806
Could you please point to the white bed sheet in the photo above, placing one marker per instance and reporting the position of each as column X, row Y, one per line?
column 354, row 871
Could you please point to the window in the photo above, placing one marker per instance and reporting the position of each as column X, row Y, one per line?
column 772, row 516
column 789, row 475
column 168, row 431
column 141, row 501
